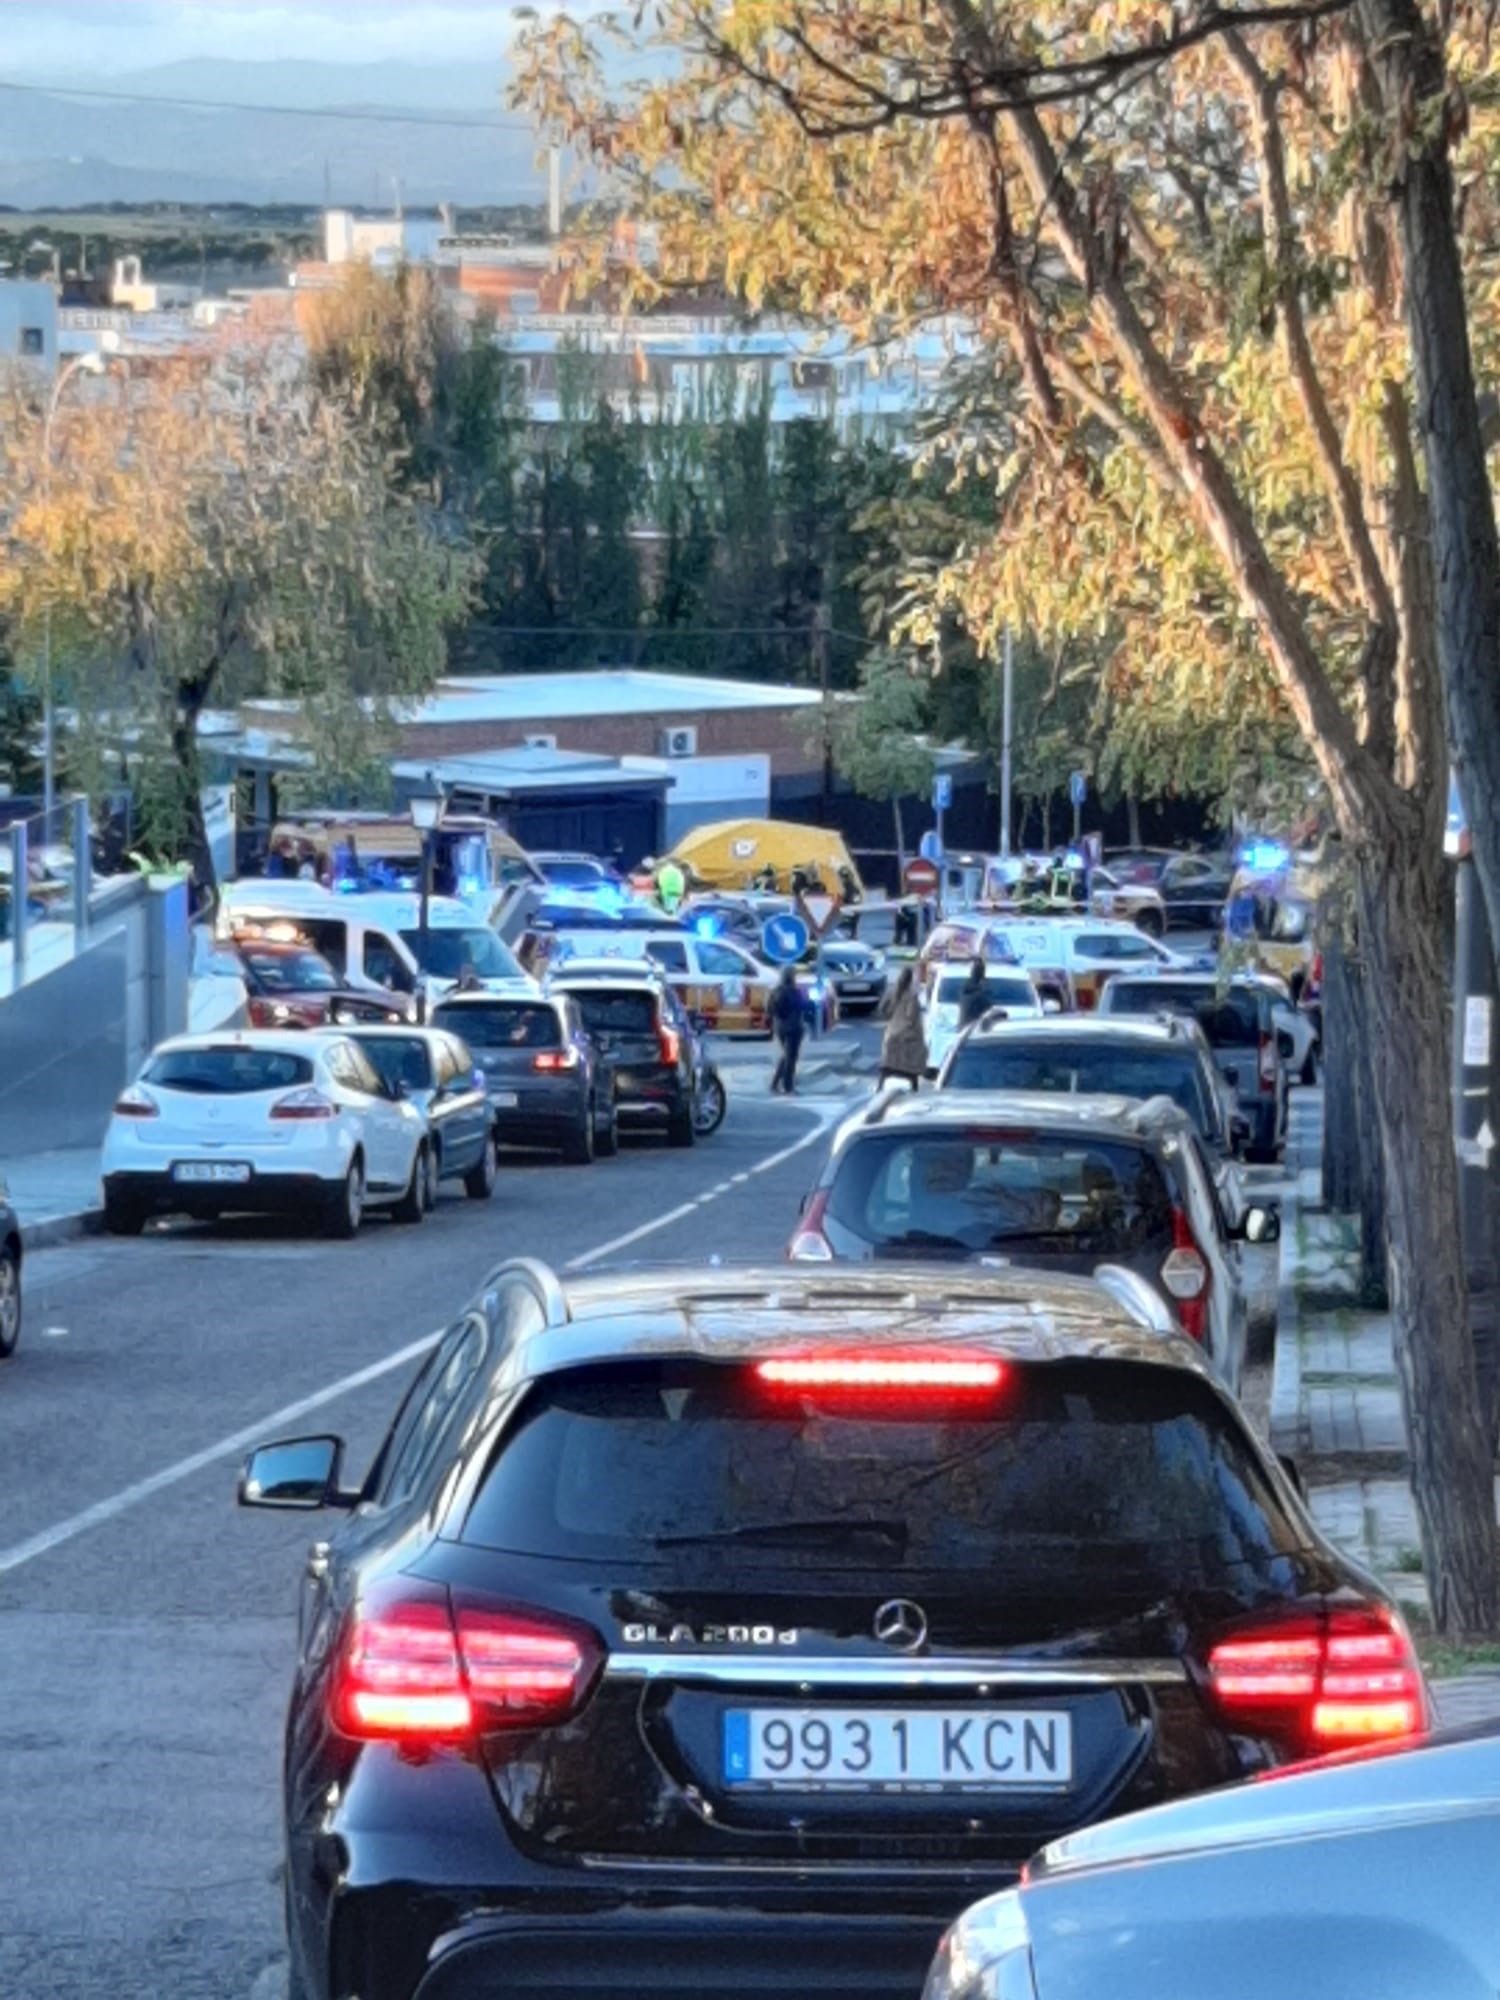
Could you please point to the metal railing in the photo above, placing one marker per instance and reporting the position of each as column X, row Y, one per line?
column 46, row 879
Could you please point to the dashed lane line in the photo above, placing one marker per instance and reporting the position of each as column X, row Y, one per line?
column 69, row 1529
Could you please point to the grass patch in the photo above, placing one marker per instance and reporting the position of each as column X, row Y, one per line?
column 1408, row 1561
column 1446, row 1659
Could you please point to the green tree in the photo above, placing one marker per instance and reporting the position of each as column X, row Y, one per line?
column 879, row 740
column 269, row 552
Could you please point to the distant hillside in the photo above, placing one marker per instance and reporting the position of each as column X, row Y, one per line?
column 56, row 149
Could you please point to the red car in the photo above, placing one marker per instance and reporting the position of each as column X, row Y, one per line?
column 292, row 986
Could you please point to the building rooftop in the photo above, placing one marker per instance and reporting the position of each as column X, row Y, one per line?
column 605, row 691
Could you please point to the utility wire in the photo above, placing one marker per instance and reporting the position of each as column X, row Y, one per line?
column 440, row 120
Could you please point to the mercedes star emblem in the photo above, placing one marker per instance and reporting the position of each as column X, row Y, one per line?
column 901, row 1624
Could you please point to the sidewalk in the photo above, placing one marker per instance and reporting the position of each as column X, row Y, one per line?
column 1336, row 1402
column 56, row 1195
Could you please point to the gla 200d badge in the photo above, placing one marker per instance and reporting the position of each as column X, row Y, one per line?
column 710, row 1635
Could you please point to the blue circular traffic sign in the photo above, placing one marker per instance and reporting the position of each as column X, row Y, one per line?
column 784, row 938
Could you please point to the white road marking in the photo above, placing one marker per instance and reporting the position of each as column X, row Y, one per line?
column 54, row 1333
column 772, row 1160
column 115, row 1504
column 171, row 1475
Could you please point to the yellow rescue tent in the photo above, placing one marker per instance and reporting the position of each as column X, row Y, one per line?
column 733, row 854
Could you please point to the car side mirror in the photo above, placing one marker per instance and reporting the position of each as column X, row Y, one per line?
column 1261, row 1225
column 397, row 1091
column 1232, row 1077
column 1293, row 1472
column 298, row 1474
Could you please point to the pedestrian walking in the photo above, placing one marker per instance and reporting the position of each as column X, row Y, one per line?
column 789, row 1020
column 903, row 1047
column 973, row 1000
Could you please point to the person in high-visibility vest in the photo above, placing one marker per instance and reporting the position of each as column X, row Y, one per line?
column 671, row 887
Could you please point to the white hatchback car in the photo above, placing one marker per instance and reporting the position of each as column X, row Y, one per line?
column 263, row 1123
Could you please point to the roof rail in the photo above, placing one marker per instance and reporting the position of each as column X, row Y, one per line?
column 885, row 1097
column 1141, row 1300
column 1148, row 1110
column 540, row 1280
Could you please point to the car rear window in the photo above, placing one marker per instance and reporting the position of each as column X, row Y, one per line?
column 1228, row 1019
column 997, row 992
column 503, row 1024
column 1002, row 1190
column 1129, row 1476
column 615, row 1010
column 399, row 1059
column 1113, row 947
column 1086, row 1067
column 227, row 1072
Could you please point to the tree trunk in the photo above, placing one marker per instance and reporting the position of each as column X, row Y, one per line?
column 1408, row 57
column 1133, row 819
column 1400, row 889
column 900, row 825
column 196, row 850
column 1369, row 1183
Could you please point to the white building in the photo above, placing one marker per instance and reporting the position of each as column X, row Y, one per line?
column 382, row 240
column 28, row 323
column 687, row 366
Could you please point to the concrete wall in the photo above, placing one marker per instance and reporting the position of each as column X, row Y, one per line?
column 70, row 1041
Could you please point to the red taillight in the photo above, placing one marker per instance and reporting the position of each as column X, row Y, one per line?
column 1269, row 1062
column 136, row 1103
column 671, row 1045
column 1320, row 1682
column 862, row 1372
column 1186, row 1276
column 417, row 1672
column 304, row 1104
column 555, row 1059
column 809, row 1245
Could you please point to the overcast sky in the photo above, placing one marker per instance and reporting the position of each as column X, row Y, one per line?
column 45, row 37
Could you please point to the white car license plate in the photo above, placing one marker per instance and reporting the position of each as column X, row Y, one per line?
column 856, row 986
column 211, row 1170
column 826, row 1749
column 504, row 1100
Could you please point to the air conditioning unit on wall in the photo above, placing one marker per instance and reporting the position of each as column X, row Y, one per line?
column 679, row 742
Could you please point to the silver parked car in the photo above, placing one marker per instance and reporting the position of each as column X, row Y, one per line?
column 1372, row 1875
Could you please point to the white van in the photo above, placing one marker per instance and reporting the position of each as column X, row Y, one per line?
column 376, row 941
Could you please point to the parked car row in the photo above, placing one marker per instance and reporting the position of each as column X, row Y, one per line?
column 333, row 1123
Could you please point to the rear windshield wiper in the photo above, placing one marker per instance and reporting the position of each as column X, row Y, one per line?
column 832, row 1529
column 922, row 1239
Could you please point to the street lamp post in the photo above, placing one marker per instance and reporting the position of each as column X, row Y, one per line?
column 426, row 808
column 81, row 364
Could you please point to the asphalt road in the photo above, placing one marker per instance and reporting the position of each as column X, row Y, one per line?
column 146, row 1625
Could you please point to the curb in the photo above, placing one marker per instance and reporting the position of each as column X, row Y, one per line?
column 1285, row 1418
column 51, row 1230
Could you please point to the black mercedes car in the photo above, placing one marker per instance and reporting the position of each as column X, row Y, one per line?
column 708, row 1632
